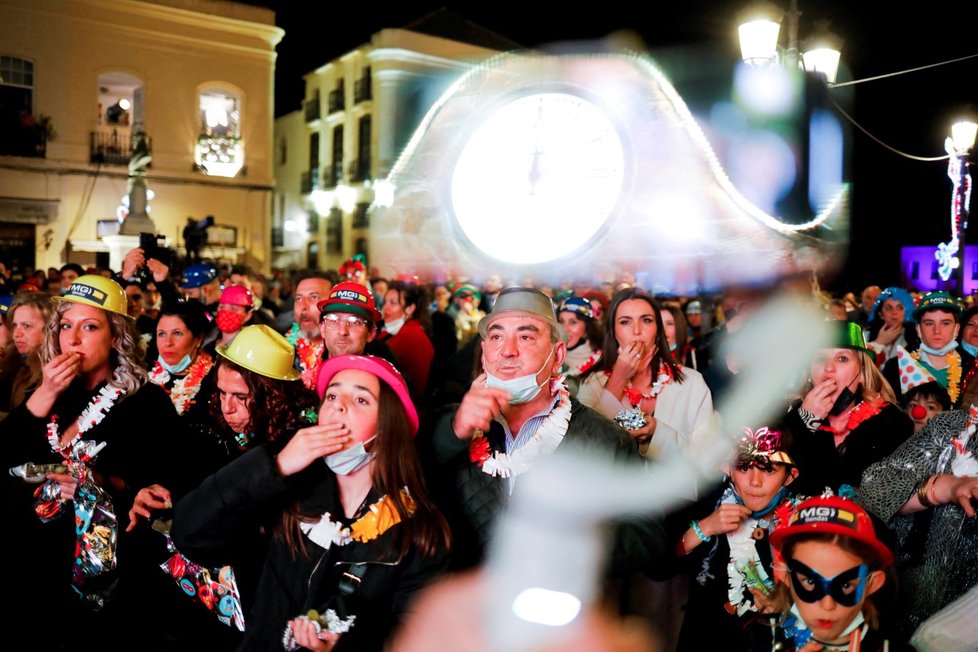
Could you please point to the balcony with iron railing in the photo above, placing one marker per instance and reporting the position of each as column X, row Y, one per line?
column 25, row 136
column 111, row 147
column 332, row 175
column 311, row 109
column 358, row 170
column 361, row 90
column 310, row 181
column 336, row 100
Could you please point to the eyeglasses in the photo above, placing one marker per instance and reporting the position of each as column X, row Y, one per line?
column 846, row 588
column 333, row 321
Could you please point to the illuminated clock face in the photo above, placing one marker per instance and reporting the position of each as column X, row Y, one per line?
column 538, row 178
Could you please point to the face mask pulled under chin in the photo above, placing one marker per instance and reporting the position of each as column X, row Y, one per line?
column 350, row 460
column 845, row 398
column 522, row 389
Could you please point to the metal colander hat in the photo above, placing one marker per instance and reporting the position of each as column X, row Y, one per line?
column 378, row 367
column 261, row 349
column 99, row 292
column 833, row 515
column 529, row 301
column 237, row 295
column 197, row 275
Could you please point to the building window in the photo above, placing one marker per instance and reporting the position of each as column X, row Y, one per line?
column 17, row 85
column 360, row 168
column 360, row 218
column 337, row 156
column 120, row 112
column 220, row 151
column 361, row 90
column 283, row 150
column 334, row 232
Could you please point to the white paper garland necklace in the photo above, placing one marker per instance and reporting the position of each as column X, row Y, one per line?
column 543, row 442
column 92, row 415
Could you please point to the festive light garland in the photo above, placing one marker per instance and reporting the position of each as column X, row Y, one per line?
column 184, row 389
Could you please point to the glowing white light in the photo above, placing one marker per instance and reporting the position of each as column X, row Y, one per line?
column 124, row 104
column 963, row 136
column 546, row 607
column 290, row 225
column 759, row 41
column 548, row 166
column 322, row 200
column 125, row 201
column 150, row 195
column 215, row 111
column 383, row 193
column 769, row 90
column 347, row 197
column 823, row 60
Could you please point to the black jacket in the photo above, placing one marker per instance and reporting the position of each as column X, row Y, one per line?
column 472, row 500
column 212, row 525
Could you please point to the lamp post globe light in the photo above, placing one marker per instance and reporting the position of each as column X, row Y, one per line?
column 759, row 33
column 958, row 147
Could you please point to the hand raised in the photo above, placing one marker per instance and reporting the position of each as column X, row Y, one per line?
column 726, row 518
column 480, row 406
column 820, row 398
column 148, row 499
column 58, row 373
column 69, row 484
column 310, row 444
column 160, row 270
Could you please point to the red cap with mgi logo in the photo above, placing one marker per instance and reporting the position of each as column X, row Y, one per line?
column 833, row 515
column 350, row 297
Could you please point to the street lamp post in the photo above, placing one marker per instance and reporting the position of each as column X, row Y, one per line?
column 759, row 42
column 958, row 146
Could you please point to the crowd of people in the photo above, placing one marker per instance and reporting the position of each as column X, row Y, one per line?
column 209, row 458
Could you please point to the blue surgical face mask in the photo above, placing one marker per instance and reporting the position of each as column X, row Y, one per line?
column 522, row 389
column 350, row 460
column 672, row 347
column 178, row 367
column 944, row 350
column 973, row 350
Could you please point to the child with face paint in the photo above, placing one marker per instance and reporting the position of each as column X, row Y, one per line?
column 724, row 547
column 833, row 561
column 356, row 533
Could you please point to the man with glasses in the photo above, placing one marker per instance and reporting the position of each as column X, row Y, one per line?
column 348, row 323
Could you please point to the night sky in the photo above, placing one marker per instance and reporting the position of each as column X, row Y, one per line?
column 895, row 201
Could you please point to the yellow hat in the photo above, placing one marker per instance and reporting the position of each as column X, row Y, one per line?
column 99, row 292
column 260, row 349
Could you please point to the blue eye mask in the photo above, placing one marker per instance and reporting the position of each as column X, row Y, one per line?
column 846, row 588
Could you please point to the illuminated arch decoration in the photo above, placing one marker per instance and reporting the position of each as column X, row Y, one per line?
column 677, row 217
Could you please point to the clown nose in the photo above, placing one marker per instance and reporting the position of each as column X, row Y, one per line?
column 918, row 412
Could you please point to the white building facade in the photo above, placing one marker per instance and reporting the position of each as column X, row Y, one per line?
column 79, row 77
column 359, row 113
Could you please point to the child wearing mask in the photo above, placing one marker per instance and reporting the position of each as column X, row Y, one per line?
column 834, row 561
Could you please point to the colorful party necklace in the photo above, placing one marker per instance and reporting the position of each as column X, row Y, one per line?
column 92, row 415
column 635, row 396
column 184, row 389
column 953, row 373
column 543, row 442
column 380, row 517
column 863, row 411
column 309, row 355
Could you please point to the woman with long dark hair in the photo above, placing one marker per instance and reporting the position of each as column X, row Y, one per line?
column 407, row 331
column 637, row 372
column 354, row 537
